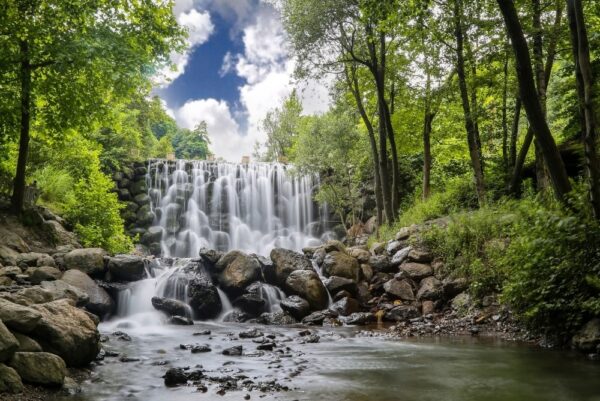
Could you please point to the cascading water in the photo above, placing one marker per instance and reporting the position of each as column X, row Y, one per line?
column 250, row 207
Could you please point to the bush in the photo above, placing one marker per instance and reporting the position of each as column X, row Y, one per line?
column 94, row 212
column 56, row 187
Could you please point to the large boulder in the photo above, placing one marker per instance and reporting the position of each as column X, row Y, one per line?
column 26, row 343
column 336, row 284
column 588, row 338
column 308, row 285
column 44, row 273
column 417, row 271
column 381, row 263
column 402, row 313
column 345, row 306
column 8, row 343
column 287, row 261
column 39, row 368
column 431, row 289
column 126, row 267
column 99, row 302
column 204, row 298
column 399, row 289
column 361, row 254
column 296, row 306
column 241, row 270
column 88, row 260
column 10, row 381
column 68, row 332
column 400, row 256
column 62, row 290
column 253, row 304
column 171, row 307
column 18, row 317
column 341, row 264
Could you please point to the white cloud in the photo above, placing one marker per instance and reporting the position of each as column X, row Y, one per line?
column 227, row 65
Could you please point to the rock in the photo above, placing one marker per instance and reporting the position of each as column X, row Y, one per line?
column 400, row 289
column 44, row 273
column 138, row 187
column 251, row 333
column 200, row 349
column 10, row 381
column 453, row 287
column 152, row 234
column 252, row 304
column 359, row 318
column 400, row 256
column 588, row 338
column 377, row 248
column 18, row 317
column 240, row 271
column 362, row 255
column 6, row 281
column 171, row 307
column 336, row 284
column 8, row 256
column 405, row 233
column 36, row 295
column 180, row 321
column 287, row 261
column 62, row 290
column 417, row 271
column 316, row 318
column 39, row 368
column 30, row 259
column 334, row 246
column 68, row 332
column 420, row 256
column 210, row 256
column 27, row 344
column 60, row 234
column 364, row 293
column 394, row 246
column 427, row 307
column 204, row 298
column 142, row 199
column 367, row 272
column 402, row 313
column 296, row 306
column 233, row 351
column 341, row 264
column 380, row 263
column 8, row 343
column 10, row 271
column 345, row 306
column 88, row 260
column 276, row 319
column 126, row 267
column 461, row 302
column 99, row 303
column 431, row 289
column 308, row 285
column 175, row 376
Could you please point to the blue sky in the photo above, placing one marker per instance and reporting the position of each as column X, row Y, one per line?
column 235, row 69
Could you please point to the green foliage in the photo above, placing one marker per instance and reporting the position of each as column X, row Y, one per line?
column 191, row 144
column 281, row 126
column 55, row 185
column 94, row 212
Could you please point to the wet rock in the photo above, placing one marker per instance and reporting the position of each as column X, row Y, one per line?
column 99, row 302
column 431, row 289
column 236, row 316
column 27, row 344
column 336, row 284
column 402, row 313
column 394, row 246
column 341, row 294
column 268, row 346
column 44, row 273
column 180, row 320
column 202, row 333
column 287, row 261
column 122, row 336
column 126, row 267
column 380, row 263
column 276, row 319
column 296, row 306
column 420, row 256
column 39, row 368
column 400, row 256
column 252, row 304
column 233, row 351
column 153, row 234
column 345, row 306
column 88, row 260
column 240, row 270
column 310, row 339
column 10, row 381
column 171, row 307
column 62, row 290
column 68, row 332
column 316, row 318
column 341, row 264
column 210, row 256
column 417, row 271
column 204, row 298
column 588, row 338
column 8, row 343
column 175, row 376
column 364, row 293
column 359, row 318
column 18, row 317
column 200, row 349
column 251, row 333
column 400, row 289
column 308, row 285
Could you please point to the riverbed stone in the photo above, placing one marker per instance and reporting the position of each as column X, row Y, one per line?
column 99, row 302
column 416, row 271
column 204, row 298
column 336, row 284
column 152, row 234
column 296, row 306
column 68, row 332
column 402, row 313
column 18, row 317
column 340, row 264
column 126, row 267
column 252, row 304
column 308, row 285
column 431, row 289
column 39, row 368
column 172, row 307
column 588, row 338
column 345, row 306
column 286, row 261
column 281, row 318
column 88, row 260
column 8, row 343
column 400, row 289
column 359, row 318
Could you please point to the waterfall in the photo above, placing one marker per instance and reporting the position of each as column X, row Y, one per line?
column 252, row 207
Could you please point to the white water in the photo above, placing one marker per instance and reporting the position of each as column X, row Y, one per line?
column 250, row 207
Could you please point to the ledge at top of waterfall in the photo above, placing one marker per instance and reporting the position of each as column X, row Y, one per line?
column 252, row 207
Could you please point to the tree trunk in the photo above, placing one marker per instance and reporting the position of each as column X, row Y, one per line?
column 585, row 82
column 464, row 94
column 429, row 116
column 514, row 133
column 531, row 101
column 505, row 110
column 25, row 77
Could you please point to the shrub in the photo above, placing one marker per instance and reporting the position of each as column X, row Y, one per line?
column 56, row 186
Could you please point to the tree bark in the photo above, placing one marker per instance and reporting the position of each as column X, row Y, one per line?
column 531, row 101
column 505, row 109
column 464, row 94
column 514, row 133
column 429, row 115
column 585, row 82
column 25, row 78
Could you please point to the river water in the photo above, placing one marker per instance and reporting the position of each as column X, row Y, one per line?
column 345, row 364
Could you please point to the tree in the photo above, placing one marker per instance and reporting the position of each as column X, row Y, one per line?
column 531, row 100
column 281, row 126
column 191, row 144
column 69, row 60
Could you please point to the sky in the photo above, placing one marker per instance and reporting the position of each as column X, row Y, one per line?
column 235, row 69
